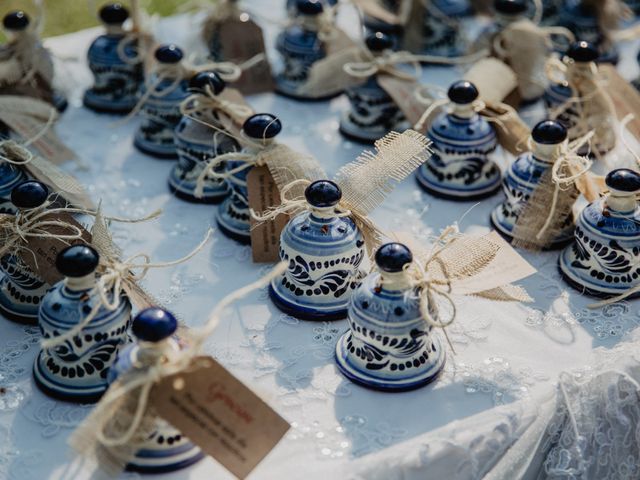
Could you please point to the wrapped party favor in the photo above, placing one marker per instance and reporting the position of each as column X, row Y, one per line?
column 26, row 67
column 398, row 314
column 383, row 16
column 328, row 241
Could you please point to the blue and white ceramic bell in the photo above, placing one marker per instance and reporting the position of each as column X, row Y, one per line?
column 523, row 177
column 112, row 60
column 441, row 32
column 460, row 167
column 16, row 25
column 21, row 289
column 76, row 370
column 292, row 7
column 234, row 216
column 604, row 259
column 10, row 177
column 166, row 449
column 373, row 112
column 324, row 252
column 394, row 32
column 197, row 143
column 581, row 18
column 300, row 47
column 161, row 112
column 389, row 345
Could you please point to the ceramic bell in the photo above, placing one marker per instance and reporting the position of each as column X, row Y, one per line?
column 234, row 217
column 324, row 252
column 582, row 19
column 389, row 345
column 10, row 177
column 300, row 47
column 604, row 259
column 76, row 370
column 460, row 167
column 523, row 177
column 292, row 8
column 197, row 143
column 21, row 289
column 166, row 449
column 441, row 32
column 17, row 28
column 373, row 112
column 161, row 112
column 112, row 60
column 393, row 32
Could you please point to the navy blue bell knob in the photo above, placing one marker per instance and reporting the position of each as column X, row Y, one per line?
column 323, row 194
column 463, row 92
column 16, row 21
column 114, row 14
column 77, row 261
column 378, row 42
column 202, row 80
column 261, row 126
column 154, row 324
column 169, row 54
column 549, row 132
column 623, row 180
column 309, row 7
column 393, row 257
column 29, row 194
column 583, row 52
column 510, row 7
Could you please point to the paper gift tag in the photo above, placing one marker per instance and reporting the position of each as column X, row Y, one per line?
column 241, row 39
column 327, row 76
column 46, row 250
column 511, row 130
column 263, row 195
column 220, row 414
column 403, row 94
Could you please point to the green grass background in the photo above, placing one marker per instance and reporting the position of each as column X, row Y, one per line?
column 64, row 16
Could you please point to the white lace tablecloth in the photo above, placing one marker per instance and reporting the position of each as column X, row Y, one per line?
column 507, row 355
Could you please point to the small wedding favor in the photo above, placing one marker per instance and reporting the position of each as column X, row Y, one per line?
column 166, row 449
column 26, row 67
column 578, row 98
column 394, row 342
column 326, row 242
column 199, row 137
column 76, row 370
column 460, row 167
column 163, row 91
column 540, row 188
column 383, row 16
column 604, row 259
column 11, row 176
column 117, row 66
column 373, row 112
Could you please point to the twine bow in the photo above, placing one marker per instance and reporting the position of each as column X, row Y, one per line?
column 210, row 102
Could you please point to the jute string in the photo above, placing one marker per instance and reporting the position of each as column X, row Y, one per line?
column 210, row 102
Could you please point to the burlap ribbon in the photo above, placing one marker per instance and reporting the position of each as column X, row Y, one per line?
column 123, row 419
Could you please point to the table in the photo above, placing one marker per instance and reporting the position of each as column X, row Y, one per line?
column 508, row 356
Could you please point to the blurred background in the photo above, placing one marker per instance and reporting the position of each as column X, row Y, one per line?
column 64, row 16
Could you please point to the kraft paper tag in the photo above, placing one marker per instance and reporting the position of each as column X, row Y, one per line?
column 511, row 130
column 241, row 39
column 624, row 95
column 495, row 80
column 220, row 414
column 46, row 250
column 263, row 195
column 403, row 94
column 507, row 267
column 338, row 42
column 327, row 76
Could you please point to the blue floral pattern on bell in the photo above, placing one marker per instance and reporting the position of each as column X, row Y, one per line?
column 389, row 345
column 10, row 177
column 166, row 449
column 324, row 251
column 76, row 369
column 524, row 176
column 300, row 46
column 21, row 289
column 234, row 216
column 373, row 112
column 581, row 17
column 113, row 60
column 460, row 167
column 604, row 259
column 197, row 143
column 161, row 108
column 441, row 29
